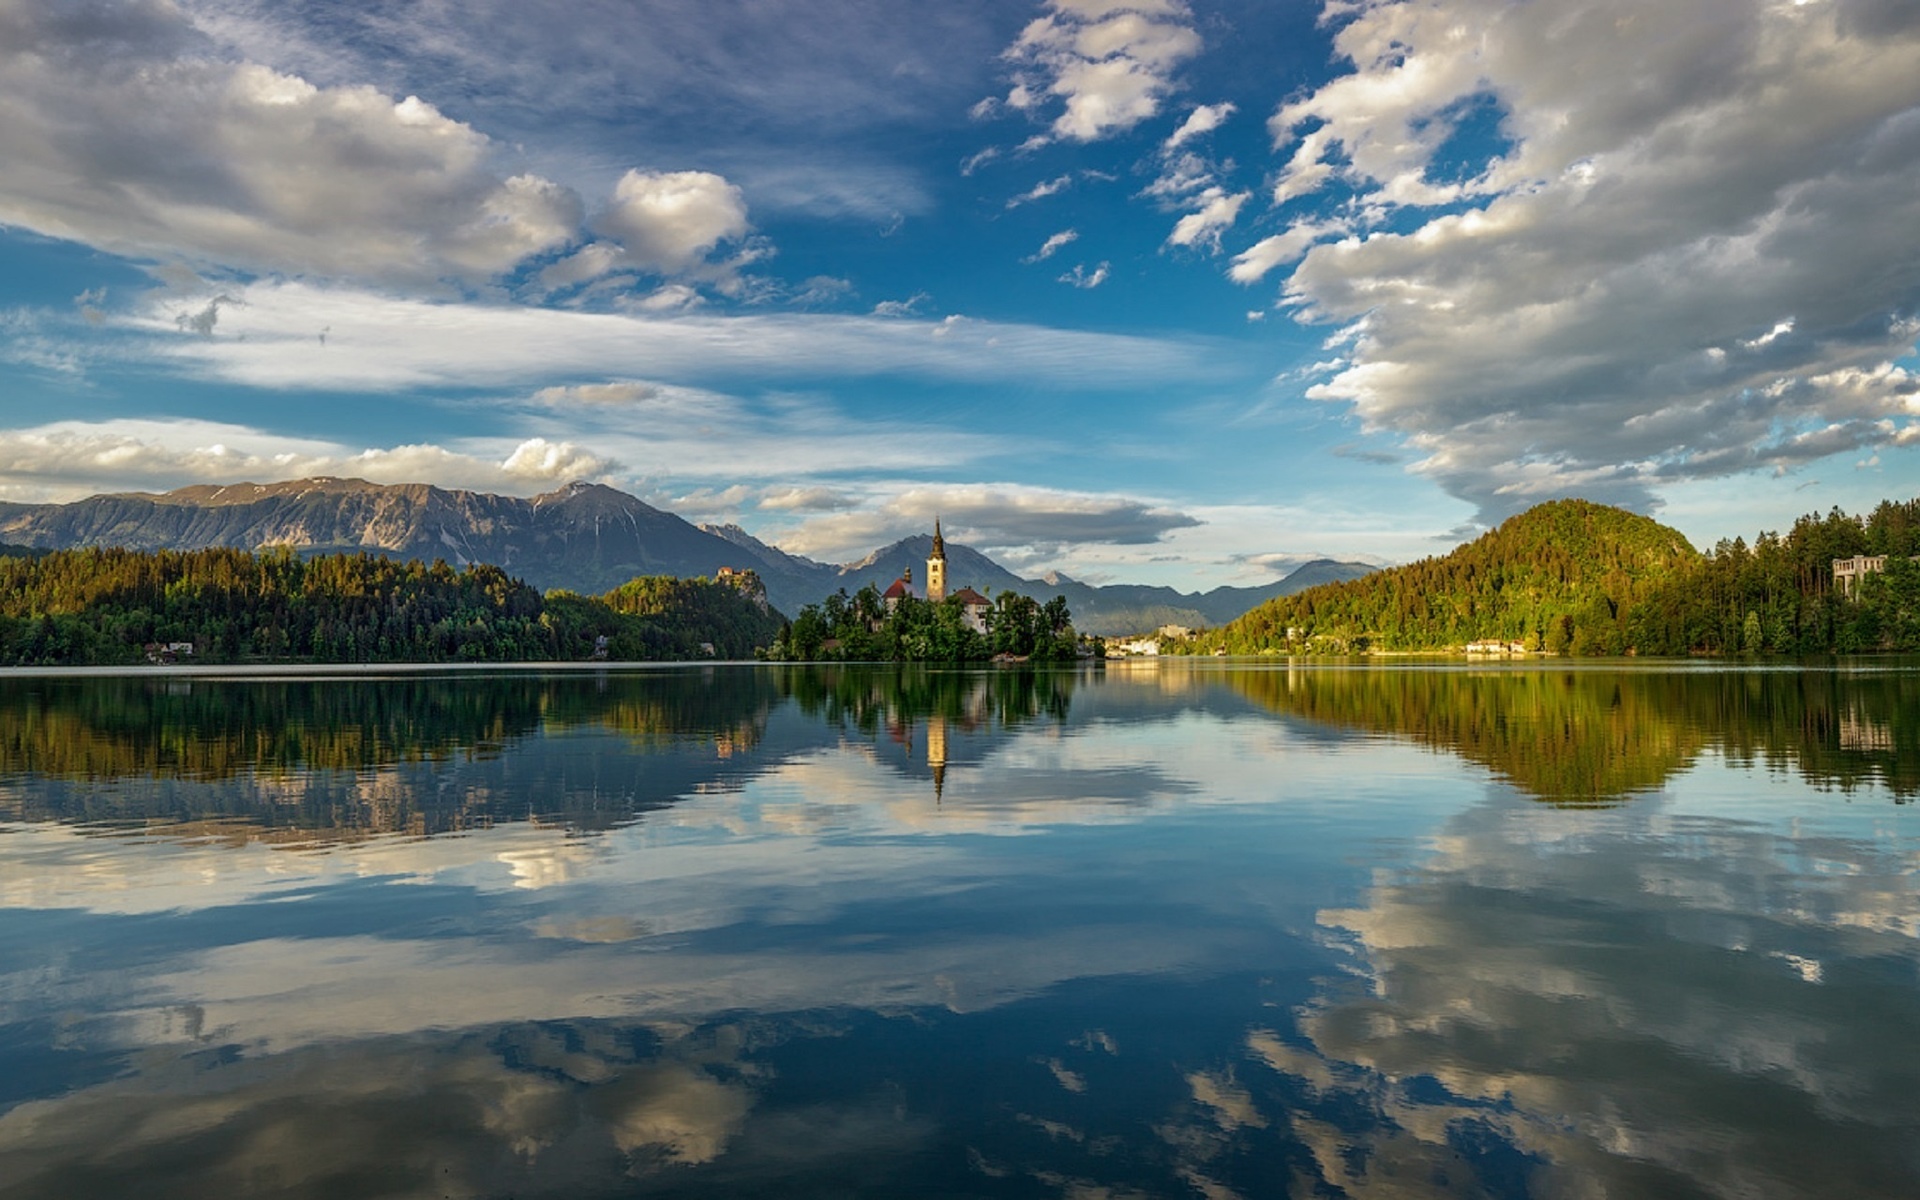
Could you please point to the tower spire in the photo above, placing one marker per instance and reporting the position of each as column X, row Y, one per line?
column 937, row 566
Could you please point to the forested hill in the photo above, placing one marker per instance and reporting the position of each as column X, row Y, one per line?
column 86, row 607
column 1560, row 576
column 1581, row 578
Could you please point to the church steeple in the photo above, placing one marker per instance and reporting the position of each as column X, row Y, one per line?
column 937, row 566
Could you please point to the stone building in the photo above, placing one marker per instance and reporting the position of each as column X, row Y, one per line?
column 1848, row 572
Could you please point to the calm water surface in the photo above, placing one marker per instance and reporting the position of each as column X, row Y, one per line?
column 1186, row 930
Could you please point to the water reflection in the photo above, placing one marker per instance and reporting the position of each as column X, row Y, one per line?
column 287, row 760
column 1168, row 931
column 1648, row 1002
column 1596, row 736
column 1570, row 736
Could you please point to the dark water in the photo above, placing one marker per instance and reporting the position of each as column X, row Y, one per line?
column 1184, row 930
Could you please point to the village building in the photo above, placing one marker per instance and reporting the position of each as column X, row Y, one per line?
column 898, row 590
column 1496, row 647
column 973, row 609
column 1848, row 572
column 168, row 652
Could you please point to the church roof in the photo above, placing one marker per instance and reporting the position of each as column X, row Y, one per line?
column 896, row 590
column 969, row 597
column 939, row 543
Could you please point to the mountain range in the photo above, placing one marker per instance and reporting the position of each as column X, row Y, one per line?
column 585, row 537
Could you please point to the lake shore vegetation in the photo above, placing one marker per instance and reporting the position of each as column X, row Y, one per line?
column 865, row 628
column 109, row 607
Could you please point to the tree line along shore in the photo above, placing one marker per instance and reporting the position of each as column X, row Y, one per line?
column 111, row 607
column 1565, row 577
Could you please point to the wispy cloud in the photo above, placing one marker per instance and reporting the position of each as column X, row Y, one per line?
column 1189, row 179
column 805, row 499
column 1080, row 277
column 985, row 515
column 1041, row 190
column 639, row 435
column 380, row 342
column 1048, row 248
column 1202, row 120
column 910, row 307
column 1201, row 229
column 685, row 82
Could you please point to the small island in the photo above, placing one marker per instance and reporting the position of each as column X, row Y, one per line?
column 900, row 625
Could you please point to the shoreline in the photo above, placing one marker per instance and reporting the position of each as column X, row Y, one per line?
column 353, row 670
column 1415, row 660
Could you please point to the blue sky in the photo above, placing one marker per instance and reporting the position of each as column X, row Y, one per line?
column 1161, row 291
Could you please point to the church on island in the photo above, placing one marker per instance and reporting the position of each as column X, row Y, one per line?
column 973, row 606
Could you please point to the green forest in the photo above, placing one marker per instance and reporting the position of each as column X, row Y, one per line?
column 862, row 628
column 1573, row 577
column 100, row 606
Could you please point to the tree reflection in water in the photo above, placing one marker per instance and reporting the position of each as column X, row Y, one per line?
column 1596, row 735
column 1221, row 958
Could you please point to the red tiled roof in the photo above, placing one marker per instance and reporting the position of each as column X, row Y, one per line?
column 898, row 589
column 970, row 597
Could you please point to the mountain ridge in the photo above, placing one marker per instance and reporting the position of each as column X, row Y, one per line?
column 583, row 537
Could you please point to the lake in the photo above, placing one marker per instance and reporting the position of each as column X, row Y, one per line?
column 1184, row 929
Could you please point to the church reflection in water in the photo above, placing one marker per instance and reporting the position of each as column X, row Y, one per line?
column 1173, row 929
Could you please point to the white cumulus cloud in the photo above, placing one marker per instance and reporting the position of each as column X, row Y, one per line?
column 1252, row 264
column 1105, row 66
column 133, row 129
column 189, row 156
column 69, row 459
column 1687, row 253
column 667, row 221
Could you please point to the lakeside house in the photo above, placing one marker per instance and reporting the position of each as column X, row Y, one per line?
column 1505, row 649
column 898, row 590
column 973, row 609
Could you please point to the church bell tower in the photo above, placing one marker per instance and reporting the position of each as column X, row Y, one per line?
column 937, row 566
